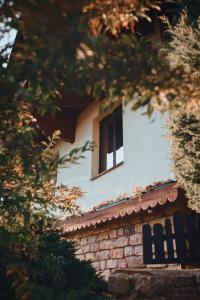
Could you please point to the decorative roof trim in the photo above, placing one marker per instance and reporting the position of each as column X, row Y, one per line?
column 149, row 200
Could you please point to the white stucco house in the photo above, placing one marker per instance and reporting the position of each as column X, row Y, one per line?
column 130, row 150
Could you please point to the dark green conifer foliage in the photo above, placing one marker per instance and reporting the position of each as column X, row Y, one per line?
column 184, row 52
column 55, row 274
column 185, row 130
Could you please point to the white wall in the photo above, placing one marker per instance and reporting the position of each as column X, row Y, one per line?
column 146, row 157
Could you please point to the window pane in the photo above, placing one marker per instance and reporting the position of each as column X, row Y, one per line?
column 119, row 136
column 109, row 161
column 109, row 150
column 106, row 144
column 120, row 155
column 111, row 140
column 118, row 130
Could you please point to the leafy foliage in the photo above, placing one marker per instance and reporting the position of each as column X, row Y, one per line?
column 185, row 45
column 29, row 198
column 100, row 54
column 113, row 16
column 185, row 130
column 184, row 52
column 28, row 195
column 86, row 47
column 55, row 273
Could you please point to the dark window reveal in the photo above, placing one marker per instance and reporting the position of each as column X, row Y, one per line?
column 111, row 140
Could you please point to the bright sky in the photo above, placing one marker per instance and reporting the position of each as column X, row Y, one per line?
column 7, row 38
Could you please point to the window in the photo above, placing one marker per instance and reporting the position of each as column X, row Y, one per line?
column 111, row 140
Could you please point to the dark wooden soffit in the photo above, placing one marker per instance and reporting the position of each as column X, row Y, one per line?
column 71, row 105
column 48, row 125
column 160, row 195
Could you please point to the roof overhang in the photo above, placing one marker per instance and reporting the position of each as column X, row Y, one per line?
column 158, row 196
column 70, row 106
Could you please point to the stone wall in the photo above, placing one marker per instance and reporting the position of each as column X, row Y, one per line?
column 155, row 284
column 117, row 244
column 112, row 249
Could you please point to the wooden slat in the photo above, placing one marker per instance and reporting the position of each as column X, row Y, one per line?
column 159, row 244
column 191, row 234
column 180, row 237
column 169, row 241
column 198, row 237
column 147, row 244
column 186, row 233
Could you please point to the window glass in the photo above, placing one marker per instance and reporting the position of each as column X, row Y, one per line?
column 111, row 140
column 119, row 138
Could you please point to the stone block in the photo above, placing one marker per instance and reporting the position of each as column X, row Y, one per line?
column 104, row 245
column 90, row 256
column 139, row 250
column 111, row 264
column 94, row 247
column 119, row 285
column 120, row 231
column 129, row 251
column 92, row 239
column 142, row 283
column 129, row 230
column 112, row 234
column 102, row 265
column 102, row 236
column 102, row 255
column 106, row 274
column 138, row 228
column 122, row 264
column 135, row 239
column 83, row 241
column 117, row 253
column 153, row 284
column 85, row 248
column 184, row 281
column 121, row 242
column 78, row 251
column 96, row 265
column 134, row 260
column 161, row 286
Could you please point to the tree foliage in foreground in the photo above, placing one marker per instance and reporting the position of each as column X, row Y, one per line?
column 55, row 274
column 185, row 130
column 184, row 52
column 82, row 47
column 98, row 51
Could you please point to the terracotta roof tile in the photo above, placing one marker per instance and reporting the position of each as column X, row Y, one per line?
column 159, row 195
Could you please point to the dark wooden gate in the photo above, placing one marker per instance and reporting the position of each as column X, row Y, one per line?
column 176, row 242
